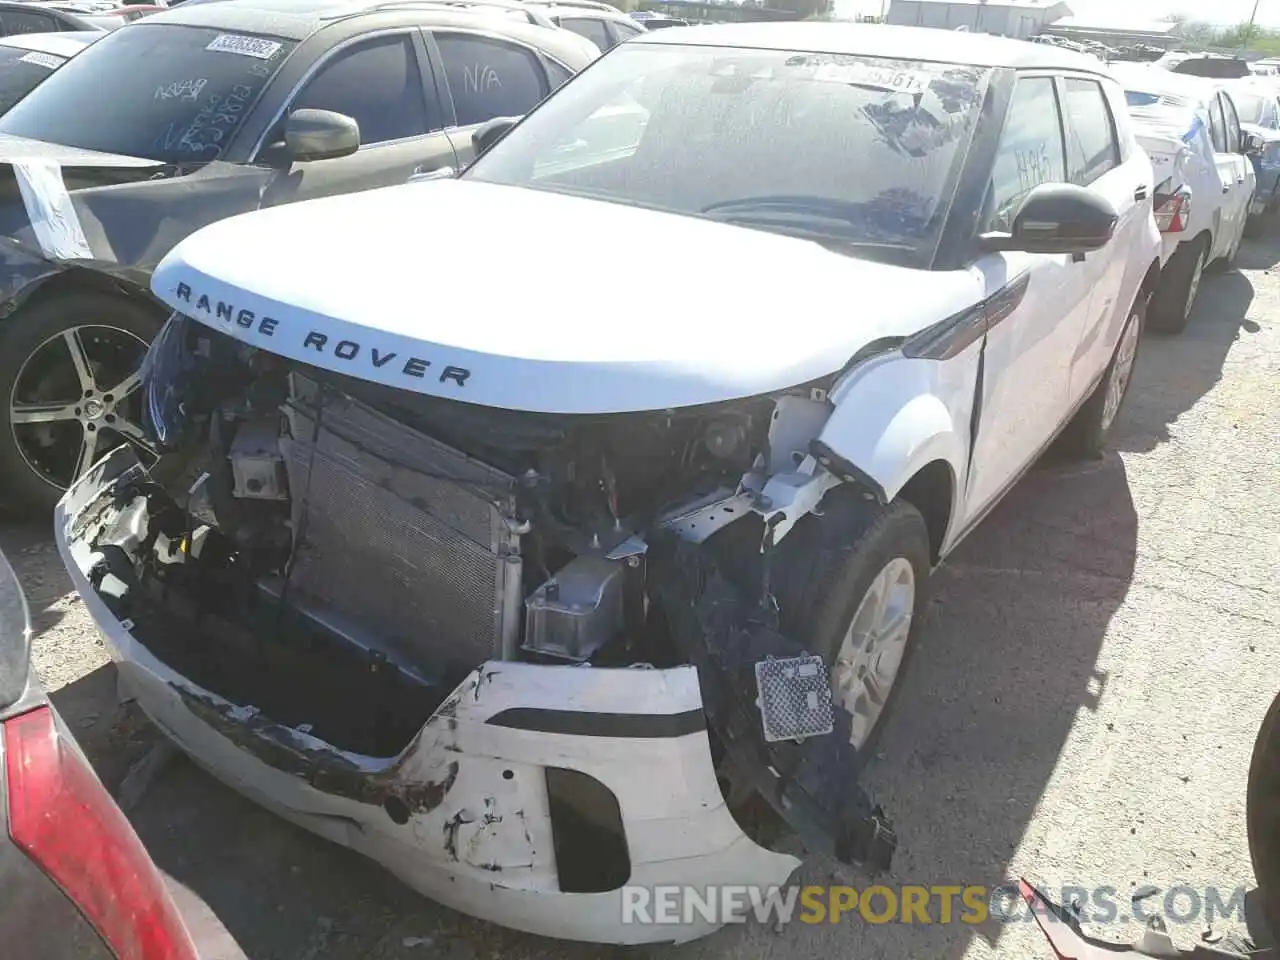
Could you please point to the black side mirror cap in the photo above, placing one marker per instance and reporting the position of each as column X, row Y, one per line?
column 320, row 135
column 490, row 132
column 1057, row 218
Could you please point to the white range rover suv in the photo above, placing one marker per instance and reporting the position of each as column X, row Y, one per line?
column 531, row 590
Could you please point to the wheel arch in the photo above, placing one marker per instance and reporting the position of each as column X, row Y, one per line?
column 932, row 491
column 77, row 279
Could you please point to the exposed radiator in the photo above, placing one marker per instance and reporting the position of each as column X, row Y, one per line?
column 402, row 533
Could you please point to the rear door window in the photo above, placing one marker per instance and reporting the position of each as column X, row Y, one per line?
column 13, row 22
column 490, row 78
column 593, row 29
column 375, row 82
column 1092, row 148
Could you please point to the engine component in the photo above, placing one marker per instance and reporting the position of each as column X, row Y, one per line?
column 257, row 465
column 577, row 611
column 401, row 533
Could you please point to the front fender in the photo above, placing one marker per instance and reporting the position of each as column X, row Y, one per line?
column 895, row 415
column 21, row 272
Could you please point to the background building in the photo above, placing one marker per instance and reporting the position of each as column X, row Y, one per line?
column 1118, row 32
column 1009, row 18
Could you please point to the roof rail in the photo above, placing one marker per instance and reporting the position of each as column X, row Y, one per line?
column 584, row 4
column 512, row 5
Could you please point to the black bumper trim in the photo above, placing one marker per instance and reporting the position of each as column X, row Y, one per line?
column 579, row 723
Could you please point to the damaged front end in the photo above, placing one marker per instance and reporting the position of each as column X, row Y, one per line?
column 510, row 656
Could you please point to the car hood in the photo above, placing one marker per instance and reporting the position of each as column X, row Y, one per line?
column 522, row 299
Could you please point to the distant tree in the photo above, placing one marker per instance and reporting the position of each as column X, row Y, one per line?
column 1196, row 33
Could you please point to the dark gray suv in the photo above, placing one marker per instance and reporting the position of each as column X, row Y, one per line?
column 215, row 109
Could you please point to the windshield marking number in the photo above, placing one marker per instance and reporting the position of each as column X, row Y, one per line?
column 46, row 60
column 181, row 90
column 244, row 46
column 864, row 75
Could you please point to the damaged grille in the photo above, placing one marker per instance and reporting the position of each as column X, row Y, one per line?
column 399, row 532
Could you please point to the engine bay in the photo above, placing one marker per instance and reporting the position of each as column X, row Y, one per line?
column 407, row 539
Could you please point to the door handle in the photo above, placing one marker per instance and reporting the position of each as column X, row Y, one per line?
column 422, row 172
column 1226, row 188
column 1140, row 193
column 1239, row 179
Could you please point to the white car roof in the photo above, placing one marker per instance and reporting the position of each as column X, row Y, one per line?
column 880, row 40
column 64, row 44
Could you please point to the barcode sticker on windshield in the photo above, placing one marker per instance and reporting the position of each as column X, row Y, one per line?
column 46, row 60
column 898, row 81
column 245, row 46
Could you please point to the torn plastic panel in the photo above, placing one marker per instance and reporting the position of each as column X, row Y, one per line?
column 1061, row 925
column 813, row 784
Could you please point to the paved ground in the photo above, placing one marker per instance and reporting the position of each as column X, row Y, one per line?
column 1081, row 711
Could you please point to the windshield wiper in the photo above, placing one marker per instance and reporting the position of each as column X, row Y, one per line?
column 815, row 218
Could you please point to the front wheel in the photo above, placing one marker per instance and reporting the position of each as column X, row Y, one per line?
column 1087, row 433
column 69, row 391
column 850, row 585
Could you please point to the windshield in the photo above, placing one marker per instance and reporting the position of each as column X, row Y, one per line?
column 20, row 70
column 164, row 92
column 1213, row 67
column 860, row 152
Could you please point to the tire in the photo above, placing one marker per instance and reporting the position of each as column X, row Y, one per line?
column 825, row 570
column 1179, row 284
column 37, row 460
column 1262, row 815
column 1086, row 435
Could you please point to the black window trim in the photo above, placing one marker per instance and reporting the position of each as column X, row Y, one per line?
column 1116, row 152
column 450, row 112
column 420, row 52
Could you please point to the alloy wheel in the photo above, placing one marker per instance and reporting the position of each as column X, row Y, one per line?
column 871, row 653
column 75, row 398
column 1121, row 370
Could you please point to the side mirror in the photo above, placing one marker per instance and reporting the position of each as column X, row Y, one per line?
column 1253, row 144
column 490, row 132
column 1057, row 218
column 320, row 135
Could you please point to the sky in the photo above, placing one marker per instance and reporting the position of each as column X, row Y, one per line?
column 1227, row 12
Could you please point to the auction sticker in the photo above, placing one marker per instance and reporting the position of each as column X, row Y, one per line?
column 899, row 81
column 46, row 60
column 245, row 46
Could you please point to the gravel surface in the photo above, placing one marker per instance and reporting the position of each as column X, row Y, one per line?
column 1081, row 709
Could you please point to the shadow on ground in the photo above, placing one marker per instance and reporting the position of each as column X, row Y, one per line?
column 1005, row 664
column 1189, row 364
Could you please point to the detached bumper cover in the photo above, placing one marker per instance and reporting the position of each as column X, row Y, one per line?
column 462, row 814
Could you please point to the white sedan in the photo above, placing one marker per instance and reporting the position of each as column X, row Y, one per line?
column 438, row 481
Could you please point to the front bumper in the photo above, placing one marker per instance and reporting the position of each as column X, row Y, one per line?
column 462, row 814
